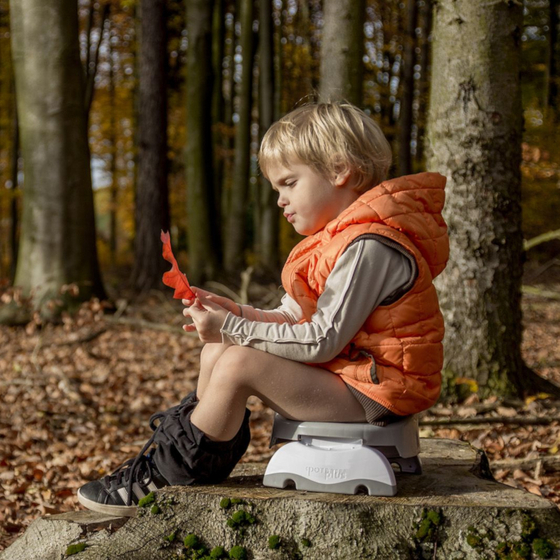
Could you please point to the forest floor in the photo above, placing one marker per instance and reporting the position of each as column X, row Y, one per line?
column 75, row 400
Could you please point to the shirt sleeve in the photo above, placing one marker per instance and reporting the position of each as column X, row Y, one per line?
column 289, row 311
column 364, row 276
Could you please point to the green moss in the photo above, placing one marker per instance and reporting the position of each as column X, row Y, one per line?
column 240, row 519
column 191, row 541
column 502, row 550
column 171, row 537
column 523, row 550
column 238, row 553
column 217, row 552
column 529, row 528
column 513, row 551
column 434, row 517
column 305, row 542
column 427, row 528
column 474, row 540
column 273, row 542
column 236, row 501
column 225, row 503
column 146, row 500
column 75, row 548
column 543, row 548
column 155, row 509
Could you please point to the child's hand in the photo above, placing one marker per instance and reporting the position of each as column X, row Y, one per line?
column 208, row 318
column 224, row 302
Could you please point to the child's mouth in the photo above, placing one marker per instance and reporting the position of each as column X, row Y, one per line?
column 289, row 217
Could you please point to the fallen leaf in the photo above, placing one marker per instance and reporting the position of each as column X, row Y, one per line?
column 174, row 278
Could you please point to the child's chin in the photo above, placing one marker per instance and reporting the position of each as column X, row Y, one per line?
column 306, row 231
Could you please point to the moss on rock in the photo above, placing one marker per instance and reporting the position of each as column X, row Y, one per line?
column 543, row 548
column 75, row 548
column 147, row 500
column 191, row 541
column 428, row 525
column 238, row 553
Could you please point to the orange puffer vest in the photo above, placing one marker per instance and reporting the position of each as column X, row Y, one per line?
column 397, row 356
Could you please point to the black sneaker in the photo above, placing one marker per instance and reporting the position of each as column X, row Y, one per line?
column 118, row 494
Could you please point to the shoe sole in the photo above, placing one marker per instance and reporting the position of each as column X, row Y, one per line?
column 116, row 511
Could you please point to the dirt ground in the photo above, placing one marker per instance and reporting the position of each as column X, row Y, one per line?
column 76, row 399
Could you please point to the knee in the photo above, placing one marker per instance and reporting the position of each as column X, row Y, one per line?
column 235, row 367
column 211, row 353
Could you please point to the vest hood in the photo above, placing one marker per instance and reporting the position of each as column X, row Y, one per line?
column 411, row 205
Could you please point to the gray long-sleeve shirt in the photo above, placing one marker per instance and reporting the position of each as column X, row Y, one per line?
column 368, row 273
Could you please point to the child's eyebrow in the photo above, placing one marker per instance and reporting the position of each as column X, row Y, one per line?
column 283, row 178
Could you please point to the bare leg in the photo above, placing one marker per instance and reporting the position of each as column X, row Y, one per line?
column 211, row 353
column 293, row 389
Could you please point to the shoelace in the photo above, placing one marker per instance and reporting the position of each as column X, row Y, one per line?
column 132, row 470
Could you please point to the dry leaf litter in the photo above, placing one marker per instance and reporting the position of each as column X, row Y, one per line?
column 76, row 399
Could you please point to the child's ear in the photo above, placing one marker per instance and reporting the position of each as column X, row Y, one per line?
column 342, row 175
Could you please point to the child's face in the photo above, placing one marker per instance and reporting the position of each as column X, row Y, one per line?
column 309, row 200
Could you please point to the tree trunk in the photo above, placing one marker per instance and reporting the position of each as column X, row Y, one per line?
column 235, row 238
column 202, row 232
column 267, row 238
column 112, row 133
column 424, row 84
column 405, row 117
column 58, row 227
column 91, row 64
column 14, row 213
column 306, row 62
column 342, row 49
column 455, row 509
column 474, row 138
column 553, row 70
column 279, row 108
column 152, row 200
column 218, row 106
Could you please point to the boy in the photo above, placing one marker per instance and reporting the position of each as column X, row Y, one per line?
column 358, row 334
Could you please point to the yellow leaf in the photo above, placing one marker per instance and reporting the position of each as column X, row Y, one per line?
column 538, row 396
column 473, row 385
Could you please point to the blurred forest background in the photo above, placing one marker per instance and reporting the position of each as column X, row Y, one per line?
column 141, row 115
column 110, row 49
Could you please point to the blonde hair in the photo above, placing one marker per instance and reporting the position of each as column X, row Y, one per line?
column 328, row 137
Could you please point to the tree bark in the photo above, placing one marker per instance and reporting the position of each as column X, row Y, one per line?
column 218, row 106
column 474, row 138
column 553, row 70
column 58, row 228
column 424, row 84
column 306, row 58
column 279, row 106
column 472, row 517
column 236, row 225
column 342, row 49
column 202, row 232
column 152, row 199
column 112, row 133
column 267, row 238
column 405, row 117
column 14, row 212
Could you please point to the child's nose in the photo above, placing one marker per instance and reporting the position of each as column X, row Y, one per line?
column 282, row 201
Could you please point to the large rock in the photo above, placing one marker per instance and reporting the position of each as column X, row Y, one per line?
column 455, row 510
